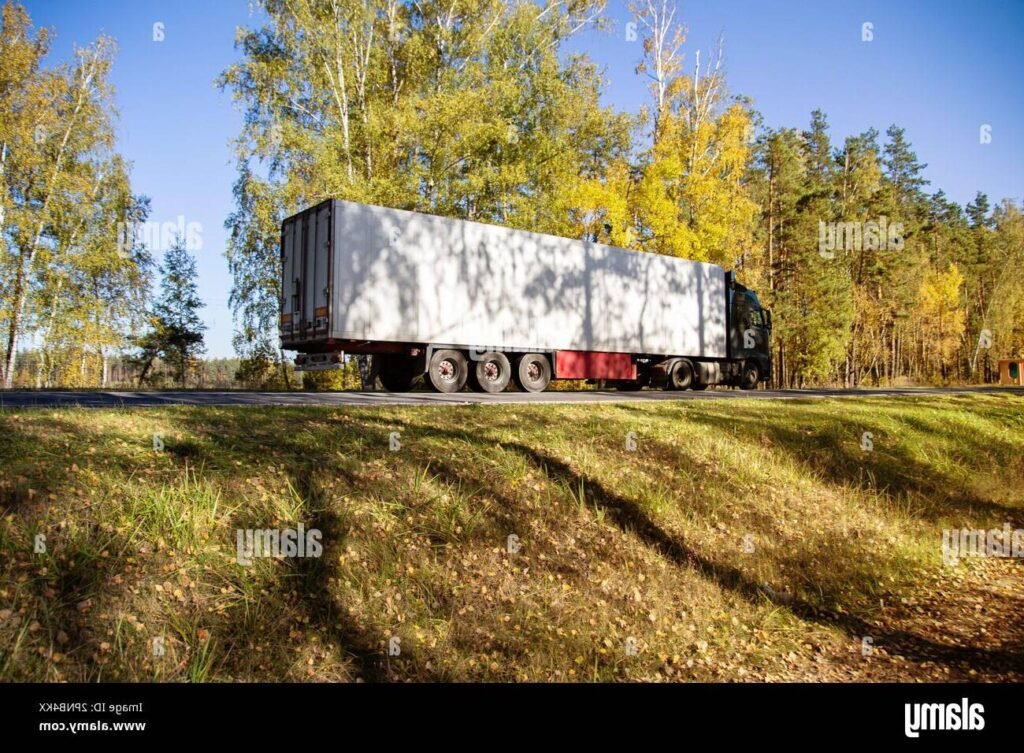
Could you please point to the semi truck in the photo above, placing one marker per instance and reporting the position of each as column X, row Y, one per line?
column 453, row 303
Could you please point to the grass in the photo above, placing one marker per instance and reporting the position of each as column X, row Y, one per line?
column 736, row 540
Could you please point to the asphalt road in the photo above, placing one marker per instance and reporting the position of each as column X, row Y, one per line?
column 18, row 399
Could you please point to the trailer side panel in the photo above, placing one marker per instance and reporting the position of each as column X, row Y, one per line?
column 402, row 276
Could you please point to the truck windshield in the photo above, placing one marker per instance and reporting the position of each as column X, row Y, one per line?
column 757, row 316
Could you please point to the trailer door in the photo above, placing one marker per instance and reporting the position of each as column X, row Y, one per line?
column 291, row 280
column 317, row 288
column 305, row 275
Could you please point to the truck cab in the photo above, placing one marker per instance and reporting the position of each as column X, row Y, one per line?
column 750, row 327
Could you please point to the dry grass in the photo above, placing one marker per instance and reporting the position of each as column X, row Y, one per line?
column 739, row 540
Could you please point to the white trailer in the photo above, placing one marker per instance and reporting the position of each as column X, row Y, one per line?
column 509, row 304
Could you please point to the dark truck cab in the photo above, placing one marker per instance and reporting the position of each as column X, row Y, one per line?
column 747, row 361
column 750, row 329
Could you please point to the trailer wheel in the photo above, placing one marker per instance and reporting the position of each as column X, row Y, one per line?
column 681, row 375
column 532, row 372
column 448, row 370
column 397, row 373
column 491, row 372
column 751, row 375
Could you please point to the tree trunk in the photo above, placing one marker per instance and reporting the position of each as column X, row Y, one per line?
column 14, row 331
column 283, row 363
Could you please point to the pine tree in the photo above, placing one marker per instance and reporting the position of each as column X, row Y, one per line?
column 178, row 330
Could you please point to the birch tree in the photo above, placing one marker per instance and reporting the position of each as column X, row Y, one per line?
column 55, row 123
column 463, row 108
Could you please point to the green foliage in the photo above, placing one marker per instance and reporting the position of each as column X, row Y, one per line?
column 888, row 312
column 176, row 331
column 471, row 111
column 467, row 110
column 328, row 381
column 261, row 370
column 478, row 110
column 66, row 279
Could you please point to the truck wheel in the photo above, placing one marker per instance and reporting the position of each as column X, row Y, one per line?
column 681, row 376
column 491, row 373
column 532, row 372
column 397, row 373
column 751, row 376
column 448, row 370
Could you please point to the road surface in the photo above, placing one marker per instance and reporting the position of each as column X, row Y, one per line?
column 18, row 399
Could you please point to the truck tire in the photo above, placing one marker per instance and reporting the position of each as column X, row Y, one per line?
column 681, row 375
column 532, row 372
column 750, row 375
column 490, row 373
column 397, row 373
column 448, row 370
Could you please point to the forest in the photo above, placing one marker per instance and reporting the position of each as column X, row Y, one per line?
column 478, row 110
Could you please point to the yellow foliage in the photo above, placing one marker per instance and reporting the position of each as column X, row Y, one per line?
column 691, row 200
column 940, row 316
column 600, row 207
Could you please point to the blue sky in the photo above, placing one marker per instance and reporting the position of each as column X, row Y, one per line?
column 939, row 69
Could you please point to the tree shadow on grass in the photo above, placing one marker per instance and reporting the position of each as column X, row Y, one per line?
column 295, row 454
column 836, row 457
column 630, row 517
column 306, row 469
column 318, row 576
